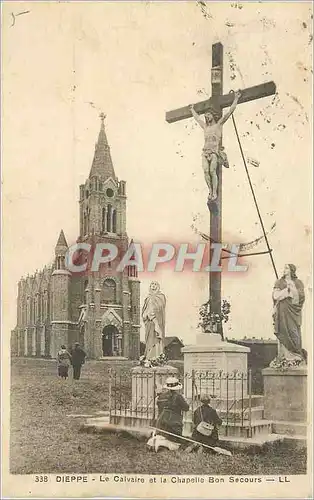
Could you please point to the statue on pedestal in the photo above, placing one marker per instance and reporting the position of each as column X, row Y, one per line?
column 153, row 314
column 288, row 297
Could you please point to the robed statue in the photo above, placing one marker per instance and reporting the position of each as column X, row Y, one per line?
column 288, row 297
column 153, row 314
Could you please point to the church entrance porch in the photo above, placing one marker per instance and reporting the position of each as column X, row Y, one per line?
column 111, row 341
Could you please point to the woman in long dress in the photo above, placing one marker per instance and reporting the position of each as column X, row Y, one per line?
column 64, row 361
column 153, row 314
column 288, row 296
column 171, row 405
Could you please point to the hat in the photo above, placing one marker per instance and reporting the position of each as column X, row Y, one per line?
column 173, row 384
column 77, row 343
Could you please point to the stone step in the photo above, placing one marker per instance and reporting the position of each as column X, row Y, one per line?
column 290, row 428
column 258, row 427
column 298, row 442
column 230, row 442
column 97, row 414
column 245, row 444
column 98, row 420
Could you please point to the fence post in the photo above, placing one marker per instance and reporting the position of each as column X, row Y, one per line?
column 109, row 393
column 250, row 403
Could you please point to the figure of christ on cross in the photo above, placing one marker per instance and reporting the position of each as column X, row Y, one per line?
column 213, row 153
column 218, row 101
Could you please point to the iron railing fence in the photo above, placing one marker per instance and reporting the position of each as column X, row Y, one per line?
column 134, row 395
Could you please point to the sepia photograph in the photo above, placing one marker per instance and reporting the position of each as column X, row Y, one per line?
column 157, row 249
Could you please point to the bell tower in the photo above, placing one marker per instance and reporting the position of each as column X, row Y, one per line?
column 103, row 196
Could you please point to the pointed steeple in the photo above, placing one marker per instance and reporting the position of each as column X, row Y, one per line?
column 102, row 166
column 60, row 251
column 62, row 242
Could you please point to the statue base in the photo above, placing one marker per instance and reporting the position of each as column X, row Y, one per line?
column 285, row 394
column 213, row 356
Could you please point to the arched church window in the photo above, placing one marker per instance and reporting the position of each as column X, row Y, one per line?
column 34, row 311
column 46, row 298
column 109, row 218
column 108, row 293
column 114, row 221
column 85, row 222
column 44, row 306
column 103, row 223
column 85, row 291
column 26, row 311
column 100, row 186
column 39, row 308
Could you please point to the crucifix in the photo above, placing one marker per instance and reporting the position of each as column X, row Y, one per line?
column 218, row 101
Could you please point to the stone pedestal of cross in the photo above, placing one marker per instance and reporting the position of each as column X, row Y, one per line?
column 219, row 101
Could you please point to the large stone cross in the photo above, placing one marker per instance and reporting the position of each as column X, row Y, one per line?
column 219, row 101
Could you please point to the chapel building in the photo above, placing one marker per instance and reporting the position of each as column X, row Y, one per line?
column 100, row 310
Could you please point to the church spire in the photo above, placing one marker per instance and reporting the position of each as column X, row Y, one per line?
column 102, row 166
column 60, row 251
column 62, row 242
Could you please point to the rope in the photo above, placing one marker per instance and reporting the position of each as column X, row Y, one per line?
column 245, row 254
column 254, row 198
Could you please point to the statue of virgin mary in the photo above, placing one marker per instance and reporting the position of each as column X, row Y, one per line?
column 288, row 296
column 153, row 314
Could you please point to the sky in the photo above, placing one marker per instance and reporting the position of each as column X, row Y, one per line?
column 63, row 63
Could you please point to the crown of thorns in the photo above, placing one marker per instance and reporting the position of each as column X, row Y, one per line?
column 214, row 112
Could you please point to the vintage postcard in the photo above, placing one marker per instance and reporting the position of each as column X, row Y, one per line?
column 157, row 249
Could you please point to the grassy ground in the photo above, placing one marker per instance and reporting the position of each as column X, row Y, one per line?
column 45, row 440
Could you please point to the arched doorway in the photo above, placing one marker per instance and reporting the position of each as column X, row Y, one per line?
column 111, row 341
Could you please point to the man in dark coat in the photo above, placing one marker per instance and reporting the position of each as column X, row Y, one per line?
column 78, row 359
column 171, row 404
column 205, row 413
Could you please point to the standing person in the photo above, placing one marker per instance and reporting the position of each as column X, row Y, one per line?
column 171, row 404
column 209, row 435
column 78, row 359
column 289, row 297
column 64, row 360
